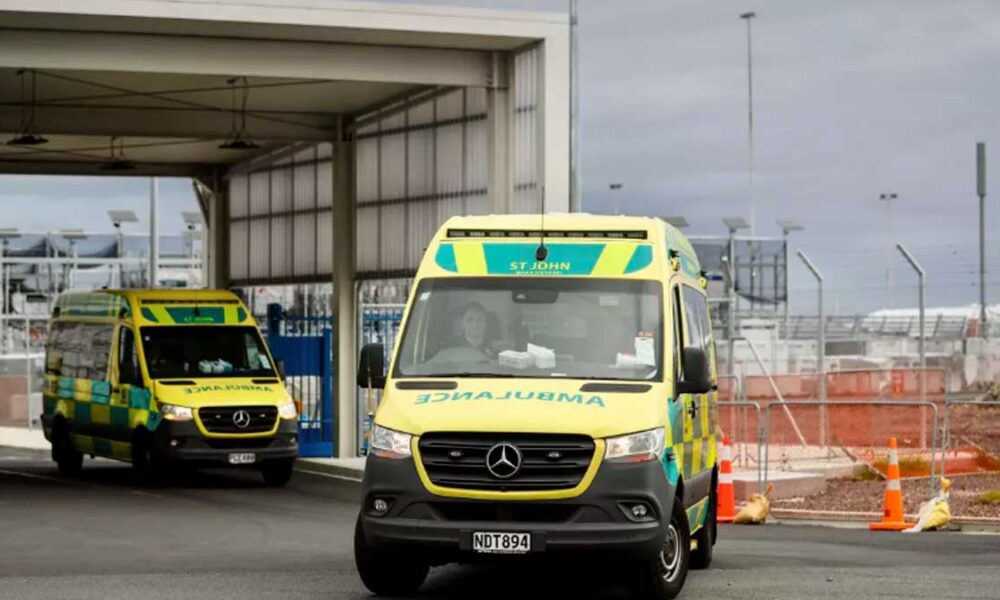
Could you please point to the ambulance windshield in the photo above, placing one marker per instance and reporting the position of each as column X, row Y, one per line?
column 204, row 351
column 534, row 327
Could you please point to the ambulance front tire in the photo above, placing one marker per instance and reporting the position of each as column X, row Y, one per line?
column 662, row 578
column 701, row 557
column 277, row 473
column 145, row 463
column 68, row 460
column 386, row 573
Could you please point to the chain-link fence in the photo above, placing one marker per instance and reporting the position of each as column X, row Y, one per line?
column 972, row 457
column 831, row 457
column 22, row 357
column 742, row 423
column 859, row 384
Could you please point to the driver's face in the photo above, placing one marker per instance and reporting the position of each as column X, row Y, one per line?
column 474, row 327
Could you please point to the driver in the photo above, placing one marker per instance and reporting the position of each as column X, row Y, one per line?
column 474, row 344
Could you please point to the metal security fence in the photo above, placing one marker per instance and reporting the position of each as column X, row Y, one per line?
column 741, row 422
column 838, row 463
column 304, row 344
column 971, row 457
column 379, row 323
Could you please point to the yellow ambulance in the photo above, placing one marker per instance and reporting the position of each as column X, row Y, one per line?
column 165, row 377
column 552, row 394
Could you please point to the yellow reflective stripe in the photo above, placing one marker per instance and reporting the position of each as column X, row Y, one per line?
column 613, row 260
column 83, row 443
column 470, row 259
column 712, row 451
column 161, row 314
column 137, row 417
column 230, row 315
column 100, row 413
column 696, row 457
column 705, row 412
column 679, row 453
column 121, row 450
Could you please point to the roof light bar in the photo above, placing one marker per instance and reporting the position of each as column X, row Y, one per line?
column 521, row 233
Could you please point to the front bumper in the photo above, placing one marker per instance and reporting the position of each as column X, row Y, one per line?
column 594, row 522
column 181, row 441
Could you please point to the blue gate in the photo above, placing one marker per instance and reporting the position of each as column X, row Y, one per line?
column 305, row 345
column 379, row 323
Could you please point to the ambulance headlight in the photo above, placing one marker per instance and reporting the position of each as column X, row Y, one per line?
column 387, row 443
column 287, row 411
column 172, row 412
column 636, row 447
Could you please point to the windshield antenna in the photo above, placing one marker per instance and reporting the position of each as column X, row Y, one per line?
column 541, row 253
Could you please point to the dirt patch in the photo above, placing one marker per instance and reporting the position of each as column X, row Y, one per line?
column 975, row 425
column 866, row 496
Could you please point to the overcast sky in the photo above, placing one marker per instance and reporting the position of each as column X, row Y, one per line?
column 852, row 98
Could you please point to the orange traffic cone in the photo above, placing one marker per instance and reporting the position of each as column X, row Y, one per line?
column 726, row 511
column 892, row 516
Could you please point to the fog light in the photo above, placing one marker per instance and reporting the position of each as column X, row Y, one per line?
column 174, row 442
column 292, row 440
column 380, row 506
column 639, row 511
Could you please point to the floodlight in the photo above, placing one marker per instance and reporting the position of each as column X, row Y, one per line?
column 734, row 224
column 677, row 221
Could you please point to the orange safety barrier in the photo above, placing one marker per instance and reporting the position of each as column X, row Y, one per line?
column 892, row 515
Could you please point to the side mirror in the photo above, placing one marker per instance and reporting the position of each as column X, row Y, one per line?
column 371, row 367
column 280, row 364
column 697, row 373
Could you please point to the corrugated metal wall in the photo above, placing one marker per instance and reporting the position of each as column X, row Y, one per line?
column 415, row 168
column 281, row 219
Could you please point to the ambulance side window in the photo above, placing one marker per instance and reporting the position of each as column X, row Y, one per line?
column 678, row 333
column 699, row 330
column 128, row 362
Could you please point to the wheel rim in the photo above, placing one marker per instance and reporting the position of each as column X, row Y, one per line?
column 670, row 555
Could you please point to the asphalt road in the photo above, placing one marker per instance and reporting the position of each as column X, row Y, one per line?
column 223, row 535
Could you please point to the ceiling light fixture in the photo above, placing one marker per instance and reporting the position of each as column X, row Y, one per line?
column 117, row 161
column 28, row 135
column 238, row 139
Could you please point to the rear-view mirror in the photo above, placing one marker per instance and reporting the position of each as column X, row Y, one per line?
column 371, row 366
column 697, row 377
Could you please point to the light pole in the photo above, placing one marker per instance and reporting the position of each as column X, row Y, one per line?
column 614, row 187
column 981, row 190
column 73, row 236
column 154, row 234
column 192, row 220
column 888, row 198
column 787, row 226
column 574, row 109
column 748, row 16
column 920, row 342
column 6, row 234
column 821, row 351
column 733, row 224
column 119, row 217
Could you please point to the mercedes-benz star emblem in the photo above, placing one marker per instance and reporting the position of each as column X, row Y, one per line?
column 503, row 460
column 241, row 419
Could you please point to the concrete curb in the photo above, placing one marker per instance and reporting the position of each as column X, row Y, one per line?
column 344, row 479
column 852, row 521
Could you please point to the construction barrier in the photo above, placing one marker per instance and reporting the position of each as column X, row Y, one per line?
column 831, row 456
column 861, row 384
column 742, row 423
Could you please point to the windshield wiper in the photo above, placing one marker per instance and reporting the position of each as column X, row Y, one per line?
column 473, row 374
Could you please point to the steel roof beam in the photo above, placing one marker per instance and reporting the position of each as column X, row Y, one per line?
column 146, row 53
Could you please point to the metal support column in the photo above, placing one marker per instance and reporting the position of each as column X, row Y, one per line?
column 344, row 299
column 498, row 123
column 821, row 351
column 154, row 235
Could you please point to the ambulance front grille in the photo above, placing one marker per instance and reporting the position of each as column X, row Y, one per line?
column 223, row 419
column 548, row 461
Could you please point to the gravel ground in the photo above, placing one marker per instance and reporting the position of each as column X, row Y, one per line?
column 866, row 496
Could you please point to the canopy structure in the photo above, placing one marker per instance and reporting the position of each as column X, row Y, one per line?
column 327, row 139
